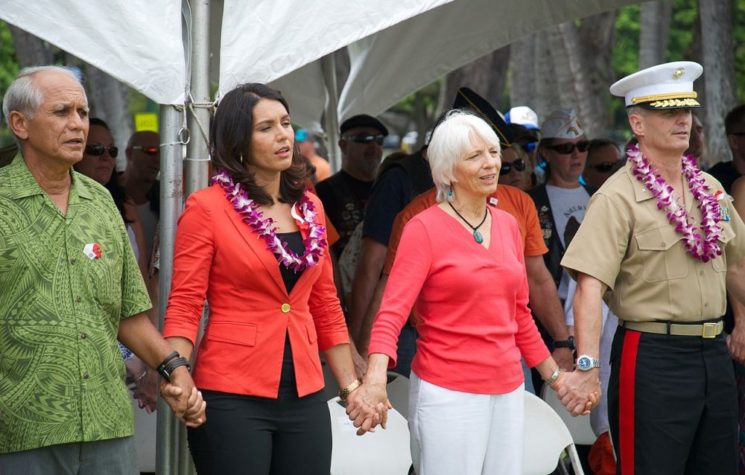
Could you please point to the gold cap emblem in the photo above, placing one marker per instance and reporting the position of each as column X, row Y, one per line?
column 678, row 73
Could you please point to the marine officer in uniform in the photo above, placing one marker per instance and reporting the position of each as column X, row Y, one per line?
column 660, row 244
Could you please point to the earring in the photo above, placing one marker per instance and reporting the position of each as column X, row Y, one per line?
column 450, row 193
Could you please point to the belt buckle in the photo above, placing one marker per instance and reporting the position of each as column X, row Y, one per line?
column 710, row 330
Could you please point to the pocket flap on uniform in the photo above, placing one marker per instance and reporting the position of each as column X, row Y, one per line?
column 658, row 239
column 727, row 233
column 232, row 332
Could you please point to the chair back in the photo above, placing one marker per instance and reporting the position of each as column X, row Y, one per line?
column 579, row 427
column 545, row 438
column 398, row 393
column 383, row 451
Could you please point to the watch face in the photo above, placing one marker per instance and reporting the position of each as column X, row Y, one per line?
column 586, row 363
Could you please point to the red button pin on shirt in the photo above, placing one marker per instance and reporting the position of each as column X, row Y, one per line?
column 93, row 251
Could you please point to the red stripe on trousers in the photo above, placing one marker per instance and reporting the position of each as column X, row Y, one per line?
column 626, row 396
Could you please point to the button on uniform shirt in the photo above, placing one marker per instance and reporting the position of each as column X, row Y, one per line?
column 629, row 245
column 66, row 282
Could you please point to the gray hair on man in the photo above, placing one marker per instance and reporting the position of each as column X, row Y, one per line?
column 24, row 95
column 451, row 140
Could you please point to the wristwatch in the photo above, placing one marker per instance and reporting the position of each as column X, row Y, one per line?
column 586, row 363
column 568, row 343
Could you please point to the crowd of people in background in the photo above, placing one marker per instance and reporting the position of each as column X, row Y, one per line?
column 396, row 262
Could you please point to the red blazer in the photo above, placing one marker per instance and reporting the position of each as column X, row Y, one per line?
column 219, row 258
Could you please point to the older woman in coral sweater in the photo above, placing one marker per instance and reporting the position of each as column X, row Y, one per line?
column 461, row 264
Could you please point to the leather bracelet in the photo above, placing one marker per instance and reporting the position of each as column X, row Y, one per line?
column 345, row 392
column 170, row 363
column 171, row 355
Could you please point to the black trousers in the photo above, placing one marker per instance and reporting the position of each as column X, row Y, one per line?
column 259, row 436
column 672, row 405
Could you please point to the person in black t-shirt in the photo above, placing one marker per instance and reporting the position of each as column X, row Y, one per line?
column 344, row 194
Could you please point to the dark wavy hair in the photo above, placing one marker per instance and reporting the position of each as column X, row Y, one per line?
column 230, row 143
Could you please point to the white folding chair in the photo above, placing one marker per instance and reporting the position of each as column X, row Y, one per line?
column 383, row 451
column 579, row 426
column 545, row 438
column 398, row 393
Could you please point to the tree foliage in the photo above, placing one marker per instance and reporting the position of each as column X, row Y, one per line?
column 8, row 63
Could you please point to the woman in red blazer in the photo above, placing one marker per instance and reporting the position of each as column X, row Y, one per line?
column 254, row 247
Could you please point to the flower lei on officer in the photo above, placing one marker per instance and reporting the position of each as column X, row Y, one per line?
column 303, row 211
column 703, row 248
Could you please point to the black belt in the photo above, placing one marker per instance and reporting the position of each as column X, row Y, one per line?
column 706, row 329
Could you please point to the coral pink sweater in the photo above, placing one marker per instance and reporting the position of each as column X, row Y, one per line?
column 472, row 302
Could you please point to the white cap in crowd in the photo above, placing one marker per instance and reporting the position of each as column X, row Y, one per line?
column 523, row 115
column 561, row 124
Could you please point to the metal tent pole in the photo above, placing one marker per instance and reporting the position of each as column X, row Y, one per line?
column 331, row 116
column 171, row 172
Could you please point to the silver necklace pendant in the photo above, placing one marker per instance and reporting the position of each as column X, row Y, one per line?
column 477, row 236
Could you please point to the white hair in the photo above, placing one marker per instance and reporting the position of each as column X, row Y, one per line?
column 24, row 95
column 451, row 139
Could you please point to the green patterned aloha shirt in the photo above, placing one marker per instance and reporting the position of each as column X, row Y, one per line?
column 65, row 283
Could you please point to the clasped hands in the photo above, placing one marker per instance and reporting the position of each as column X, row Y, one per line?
column 367, row 406
column 578, row 391
column 184, row 398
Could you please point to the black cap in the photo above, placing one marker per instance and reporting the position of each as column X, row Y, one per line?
column 466, row 98
column 363, row 120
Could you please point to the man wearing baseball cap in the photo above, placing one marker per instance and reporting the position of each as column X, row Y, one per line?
column 660, row 244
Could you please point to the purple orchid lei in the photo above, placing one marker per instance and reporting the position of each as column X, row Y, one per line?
column 303, row 211
column 706, row 248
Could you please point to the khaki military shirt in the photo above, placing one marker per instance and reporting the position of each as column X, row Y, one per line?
column 627, row 243
column 65, row 283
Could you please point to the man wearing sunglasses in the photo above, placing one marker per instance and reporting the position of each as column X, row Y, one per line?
column 562, row 200
column 345, row 193
column 603, row 158
column 141, row 181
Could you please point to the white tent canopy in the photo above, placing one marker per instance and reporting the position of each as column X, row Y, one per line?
column 263, row 40
column 395, row 46
column 393, row 63
column 137, row 41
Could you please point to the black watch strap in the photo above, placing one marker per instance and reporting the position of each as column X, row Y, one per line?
column 568, row 343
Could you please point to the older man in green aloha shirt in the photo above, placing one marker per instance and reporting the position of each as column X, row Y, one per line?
column 70, row 288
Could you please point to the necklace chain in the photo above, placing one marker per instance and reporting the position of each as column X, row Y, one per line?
column 704, row 248
column 476, row 233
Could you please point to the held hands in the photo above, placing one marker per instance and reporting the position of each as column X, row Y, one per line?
column 183, row 398
column 564, row 357
column 367, row 406
column 146, row 390
column 579, row 391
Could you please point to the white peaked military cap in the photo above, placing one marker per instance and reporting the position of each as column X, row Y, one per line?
column 561, row 124
column 665, row 86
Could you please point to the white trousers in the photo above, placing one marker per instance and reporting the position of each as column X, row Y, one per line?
column 454, row 432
